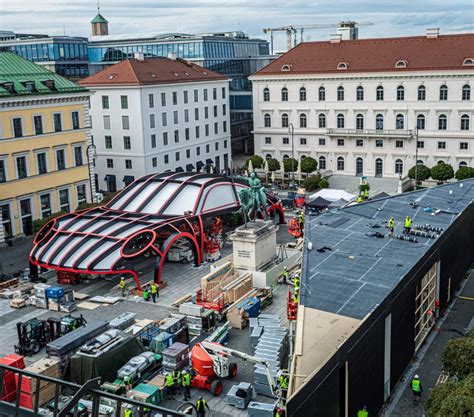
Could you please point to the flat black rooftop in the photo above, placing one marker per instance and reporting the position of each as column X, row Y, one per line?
column 359, row 271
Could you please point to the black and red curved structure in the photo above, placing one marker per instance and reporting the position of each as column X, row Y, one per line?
column 148, row 216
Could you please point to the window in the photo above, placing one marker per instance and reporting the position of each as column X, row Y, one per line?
column 400, row 121
column 198, row 151
column 81, row 194
column 206, row 130
column 17, row 127
column 322, row 120
column 64, row 200
column 110, row 163
column 464, row 122
column 154, row 162
column 284, row 120
column 126, row 142
column 420, row 144
column 340, row 93
column 196, row 113
column 420, row 122
column 284, row 94
column 125, row 123
column 176, row 136
column 128, row 164
column 163, row 99
column 166, row 159
column 302, row 94
column 340, row 121
column 224, row 126
column 188, row 153
column 45, row 204
column 21, row 167
column 378, row 167
column 223, row 92
column 206, row 112
column 340, row 142
column 266, row 94
column 442, row 122
column 399, row 167
column 421, row 93
column 175, row 117
column 322, row 162
column 399, row 144
column 153, row 141
column 443, row 92
column 340, row 163
column 268, row 141
column 322, row 94
column 186, row 115
column 186, row 134
column 41, row 163
column 106, row 120
column 164, row 120
column 75, row 120
column 38, row 122
column 225, row 144
column 342, row 66
column 224, row 109
column 379, row 143
column 400, row 93
column 360, row 93
column 303, row 141
column 108, row 142
column 197, row 132
column 185, row 97
column 359, row 142
column 57, row 121
column 379, row 122
column 207, row 148
column 401, row 64
column 151, row 101
column 286, row 141
column 322, row 141
column 60, row 159
column 176, row 155
column 462, row 164
column 442, row 145
column 303, row 120
column 463, row 146
column 468, row 61
column 285, row 157
column 196, row 96
column 216, row 128
column 466, row 92
column 175, row 98
column 152, row 121
column 124, row 102
column 214, row 93
column 267, row 120
column 379, row 93
column 216, row 146
column 78, row 159
column 105, row 102
column 215, row 111
column 359, row 122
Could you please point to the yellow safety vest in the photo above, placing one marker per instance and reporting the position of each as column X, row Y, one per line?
column 127, row 413
column 122, row 284
column 416, row 385
column 169, row 381
column 362, row 413
column 391, row 223
column 154, row 288
column 407, row 222
column 186, row 381
column 283, row 382
column 200, row 404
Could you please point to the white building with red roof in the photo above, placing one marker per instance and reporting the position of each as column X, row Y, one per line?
column 360, row 107
column 155, row 115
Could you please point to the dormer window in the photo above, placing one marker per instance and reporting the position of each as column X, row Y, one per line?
column 401, row 64
column 9, row 87
column 50, row 84
column 342, row 66
column 285, row 67
column 30, row 86
column 468, row 61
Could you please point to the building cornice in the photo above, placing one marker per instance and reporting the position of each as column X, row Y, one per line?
column 41, row 100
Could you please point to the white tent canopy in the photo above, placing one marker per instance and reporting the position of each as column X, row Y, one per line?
column 333, row 195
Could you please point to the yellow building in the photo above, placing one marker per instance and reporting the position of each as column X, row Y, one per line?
column 44, row 139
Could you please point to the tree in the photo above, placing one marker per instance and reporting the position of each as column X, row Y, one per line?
column 458, row 356
column 273, row 164
column 312, row 182
column 39, row 223
column 324, row 183
column 452, row 399
column 422, row 172
column 287, row 164
column 442, row 172
column 464, row 173
column 309, row 165
column 257, row 161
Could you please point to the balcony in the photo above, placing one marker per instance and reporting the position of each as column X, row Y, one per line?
column 368, row 133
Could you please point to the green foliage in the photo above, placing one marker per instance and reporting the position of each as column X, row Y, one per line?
column 39, row 223
column 452, row 399
column 458, row 356
column 464, row 173
column 442, row 172
column 308, row 165
column 312, row 182
column 287, row 164
column 423, row 172
column 257, row 161
column 273, row 164
column 324, row 183
column 363, row 187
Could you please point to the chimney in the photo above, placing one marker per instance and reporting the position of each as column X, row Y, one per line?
column 432, row 33
column 172, row 55
column 140, row 56
column 336, row 38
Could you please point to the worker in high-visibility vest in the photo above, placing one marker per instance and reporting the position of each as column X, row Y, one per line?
column 146, row 295
column 363, row 412
column 285, row 276
column 154, row 291
column 280, row 412
column 176, row 374
column 169, row 383
column 408, row 223
column 416, row 388
column 186, row 384
column 201, row 406
column 366, row 194
column 128, row 413
column 360, row 199
column 295, row 297
column 296, row 282
column 283, row 383
column 122, row 286
column 391, row 226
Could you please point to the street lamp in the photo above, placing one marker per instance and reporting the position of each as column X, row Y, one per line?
column 91, row 148
column 291, row 130
column 415, row 135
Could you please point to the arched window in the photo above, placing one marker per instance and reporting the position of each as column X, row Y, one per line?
column 468, row 61
column 340, row 163
column 400, row 121
column 360, row 93
column 466, row 92
column 303, row 120
column 322, row 94
column 420, row 122
column 285, row 67
column 464, row 122
column 420, row 162
column 443, row 92
column 400, row 93
column 302, row 94
column 359, row 166
column 359, row 122
column 268, row 156
column 440, row 163
column 401, row 64
column 266, row 94
column 340, row 120
column 268, row 120
column 442, row 122
column 340, row 93
column 421, row 93
column 378, row 167
column 285, row 157
column 322, row 162
column 399, row 167
column 284, row 94
column 379, row 122
column 284, row 120
column 322, row 120
column 462, row 164
column 342, row 66
column 379, row 95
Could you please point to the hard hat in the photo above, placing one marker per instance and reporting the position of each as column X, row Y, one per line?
column 284, row 268
column 417, row 377
column 185, row 372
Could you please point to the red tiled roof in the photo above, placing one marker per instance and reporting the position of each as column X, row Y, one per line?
column 446, row 52
column 151, row 71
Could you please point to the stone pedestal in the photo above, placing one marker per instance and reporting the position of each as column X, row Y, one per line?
column 254, row 245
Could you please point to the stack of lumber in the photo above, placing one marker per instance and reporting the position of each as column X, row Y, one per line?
column 237, row 288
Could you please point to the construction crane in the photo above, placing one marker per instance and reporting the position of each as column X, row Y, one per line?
column 292, row 30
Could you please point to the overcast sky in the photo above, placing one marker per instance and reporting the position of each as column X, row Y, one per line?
column 390, row 18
